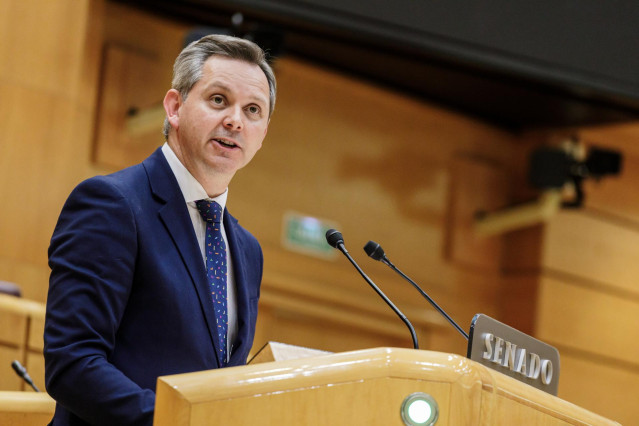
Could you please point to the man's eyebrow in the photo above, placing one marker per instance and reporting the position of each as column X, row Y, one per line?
column 260, row 99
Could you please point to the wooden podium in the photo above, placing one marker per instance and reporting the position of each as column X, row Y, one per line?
column 18, row 408
column 364, row 387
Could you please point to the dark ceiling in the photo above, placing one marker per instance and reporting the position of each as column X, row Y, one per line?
column 513, row 63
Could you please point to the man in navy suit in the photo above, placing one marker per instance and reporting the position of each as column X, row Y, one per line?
column 129, row 299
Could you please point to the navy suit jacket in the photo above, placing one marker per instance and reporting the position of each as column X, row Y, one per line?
column 128, row 296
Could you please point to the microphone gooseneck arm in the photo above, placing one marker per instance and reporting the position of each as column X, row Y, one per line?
column 334, row 238
column 375, row 251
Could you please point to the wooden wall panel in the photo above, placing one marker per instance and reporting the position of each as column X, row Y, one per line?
column 137, row 64
column 602, row 387
column 34, row 361
column 21, row 329
column 9, row 380
column 577, row 317
column 611, row 195
column 13, row 331
column 28, row 169
column 594, row 248
column 617, row 136
column 477, row 187
column 35, row 366
column 48, row 58
column 48, row 84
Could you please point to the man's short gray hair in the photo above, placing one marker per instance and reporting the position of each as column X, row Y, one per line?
column 187, row 69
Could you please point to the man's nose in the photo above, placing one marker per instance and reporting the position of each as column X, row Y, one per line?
column 233, row 120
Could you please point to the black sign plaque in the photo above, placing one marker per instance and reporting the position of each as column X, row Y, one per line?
column 513, row 353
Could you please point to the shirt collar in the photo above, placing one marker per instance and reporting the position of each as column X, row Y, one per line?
column 192, row 190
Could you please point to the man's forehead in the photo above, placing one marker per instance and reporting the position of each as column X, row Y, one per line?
column 222, row 66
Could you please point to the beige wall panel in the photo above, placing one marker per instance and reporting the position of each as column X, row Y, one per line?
column 478, row 289
column 476, row 186
column 128, row 78
column 523, row 250
column 35, row 341
column 622, row 136
column 518, row 301
column 35, row 346
column 134, row 28
column 9, row 380
column 138, row 54
column 49, row 58
column 16, row 329
column 35, row 366
column 344, row 300
column 32, row 278
column 47, row 80
column 617, row 196
column 590, row 247
column 42, row 158
column 13, row 327
column 327, row 333
column 599, row 386
column 582, row 318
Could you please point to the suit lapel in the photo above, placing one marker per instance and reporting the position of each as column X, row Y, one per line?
column 175, row 216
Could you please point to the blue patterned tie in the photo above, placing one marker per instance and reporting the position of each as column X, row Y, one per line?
column 215, row 251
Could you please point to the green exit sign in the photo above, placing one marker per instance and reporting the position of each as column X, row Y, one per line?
column 307, row 234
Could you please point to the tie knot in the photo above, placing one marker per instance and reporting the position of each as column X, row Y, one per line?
column 209, row 210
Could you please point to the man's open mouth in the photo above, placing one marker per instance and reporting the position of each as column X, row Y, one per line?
column 225, row 143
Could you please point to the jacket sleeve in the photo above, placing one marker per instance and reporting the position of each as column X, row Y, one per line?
column 92, row 257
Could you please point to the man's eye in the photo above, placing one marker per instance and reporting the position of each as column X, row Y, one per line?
column 254, row 109
column 218, row 100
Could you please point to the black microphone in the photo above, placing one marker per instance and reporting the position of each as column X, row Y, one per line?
column 334, row 239
column 22, row 372
column 375, row 251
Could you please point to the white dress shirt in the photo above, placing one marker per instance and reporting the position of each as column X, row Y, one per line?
column 193, row 191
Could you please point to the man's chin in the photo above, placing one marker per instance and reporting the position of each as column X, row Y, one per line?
column 223, row 165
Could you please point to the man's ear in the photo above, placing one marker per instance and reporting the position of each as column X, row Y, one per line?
column 172, row 103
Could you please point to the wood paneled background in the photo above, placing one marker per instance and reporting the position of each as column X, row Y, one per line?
column 407, row 174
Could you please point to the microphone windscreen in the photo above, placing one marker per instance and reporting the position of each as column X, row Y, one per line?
column 334, row 238
column 18, row 368
column 374, row 250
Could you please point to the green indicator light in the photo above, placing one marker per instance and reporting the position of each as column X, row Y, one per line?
column 419, row 409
